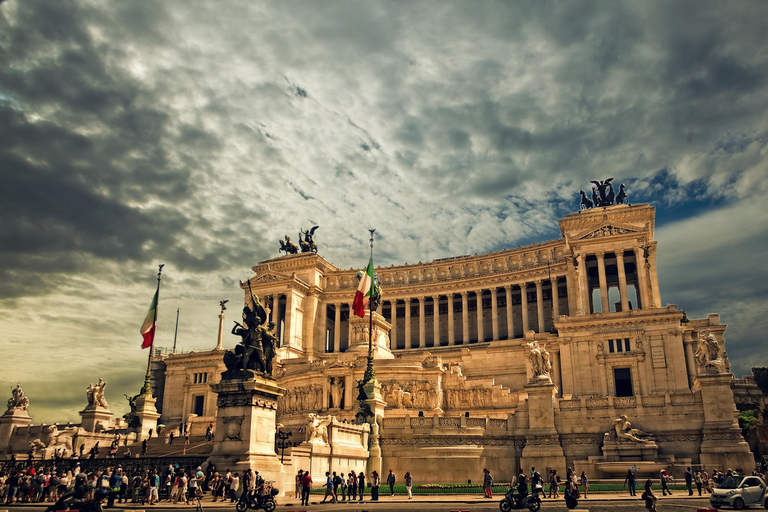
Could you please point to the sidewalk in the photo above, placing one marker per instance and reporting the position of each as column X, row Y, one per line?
column 315, row 499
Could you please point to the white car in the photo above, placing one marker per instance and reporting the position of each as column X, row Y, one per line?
column 740, row 492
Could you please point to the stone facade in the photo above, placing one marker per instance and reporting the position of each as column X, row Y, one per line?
column 450, row 341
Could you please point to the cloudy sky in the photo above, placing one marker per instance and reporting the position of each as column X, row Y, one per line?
column 197, row 134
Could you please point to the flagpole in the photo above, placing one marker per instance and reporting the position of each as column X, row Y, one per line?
column 369, row 373
column 147, row 389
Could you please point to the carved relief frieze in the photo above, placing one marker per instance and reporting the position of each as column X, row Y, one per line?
column 433, row 440
column 241, row 400
column 412, row 395
column 301, row 399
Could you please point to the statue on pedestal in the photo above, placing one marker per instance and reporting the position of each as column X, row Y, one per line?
column 337, row 393
column 709, row 355
column 624, row 430
column 95, row 394
column 540, row 362
column 18, row 400
column 257, row 348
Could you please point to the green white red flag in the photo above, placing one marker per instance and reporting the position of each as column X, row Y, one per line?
column 148, row 327
column 364, row 291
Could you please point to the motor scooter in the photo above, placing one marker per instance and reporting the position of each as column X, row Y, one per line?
column 512, row 500
column 69, row 502
column 259, row 501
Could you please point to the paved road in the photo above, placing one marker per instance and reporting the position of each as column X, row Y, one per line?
column 470, row 503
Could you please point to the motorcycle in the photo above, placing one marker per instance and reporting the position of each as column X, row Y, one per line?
column 512, row 500
column 256, row 501
column 69, row 502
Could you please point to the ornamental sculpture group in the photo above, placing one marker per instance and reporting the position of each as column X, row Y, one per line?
column 603, row 195
column 539, row 359
column 257, row 348
column 18, row 401
column 306, row 242
column 709, row 355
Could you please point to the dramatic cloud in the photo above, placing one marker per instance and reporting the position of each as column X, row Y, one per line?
column 197, row 134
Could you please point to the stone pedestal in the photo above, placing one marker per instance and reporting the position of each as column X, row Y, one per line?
column 542, row 442
column 9, row 422
column 147, row 413
column 722, row 444
column 358, row 345
column 373, row 406
column 95, row 418
column 245, row 429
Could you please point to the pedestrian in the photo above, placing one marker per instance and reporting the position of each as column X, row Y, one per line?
column 665, row 478
column 375, row 482
column 584, row 482
column 536, row 480
column 361, row 485
column 328, row 488
column 297, row 493
column 629, row 481
column 689, row 480
column 571, row 492
column 698, row 481
column 170, row 437
column 705, row 481
column 554, row 485
column 186, row 435
column 649, row 497
column 143, row 447
column 352, row 486
column 306, row 483
column 409, row 484
column 344, row 487
column 154, row 484
column 487, row 484
column 391, row 483
column 336, row 483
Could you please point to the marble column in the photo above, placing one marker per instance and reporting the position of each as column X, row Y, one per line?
column 422, row 327
column 451, row 330
column 653, row 279
column 494, row 313
column 464, row 318
column 583, row 285
column 408, row 322
column 555, row 301
column 539, row 306
column 479, row 301
column 510, row 322
column 642, row 278
column 603, row 282
column 622, row 281
column 393, row 322
column 350, row 330
column 337, row 328
column 323, row 312
column 524, row 300
column 435, row 320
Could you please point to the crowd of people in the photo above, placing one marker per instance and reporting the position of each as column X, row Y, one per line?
column 39, row 484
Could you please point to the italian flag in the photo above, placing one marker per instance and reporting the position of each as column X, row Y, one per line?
column 148, row 327
column 364, row 291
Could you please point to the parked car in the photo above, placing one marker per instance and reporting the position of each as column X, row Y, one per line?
column 740, row 492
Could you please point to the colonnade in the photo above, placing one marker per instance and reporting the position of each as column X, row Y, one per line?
column 606, row 269
column 466, row 316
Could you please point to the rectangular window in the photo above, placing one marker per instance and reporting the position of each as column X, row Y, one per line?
column 198, row 406
column 622, row 378
column 626, row 345
column 610, row 346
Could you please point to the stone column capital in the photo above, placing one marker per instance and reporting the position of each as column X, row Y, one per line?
column 537, row 282
column 600, row 255
column 464, row 294
column 407, row 300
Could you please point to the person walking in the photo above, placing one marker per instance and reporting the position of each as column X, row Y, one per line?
column 409, row 484
column 649, row 497
column 328, row 488
column 689, row 480
column 352, row 486
column 306, row 483
column 297, row 486
column 554, row 485
column 698, row 481
column 664, row 480
column 391, row 483
column 375, row 482
column 705, row 481
column 584, row 482
column 361, row 485
column 487, row 483
column 629, row 481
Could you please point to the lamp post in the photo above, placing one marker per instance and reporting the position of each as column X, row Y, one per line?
column 283, row 442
